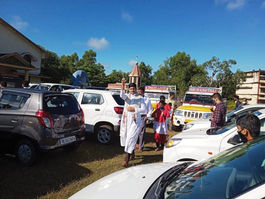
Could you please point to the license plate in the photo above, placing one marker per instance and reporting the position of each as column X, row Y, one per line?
column 67, row 140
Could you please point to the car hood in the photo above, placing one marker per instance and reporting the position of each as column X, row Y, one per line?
column 193, row 133
column 130, row 183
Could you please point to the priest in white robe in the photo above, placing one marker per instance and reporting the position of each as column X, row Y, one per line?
column 131, row 120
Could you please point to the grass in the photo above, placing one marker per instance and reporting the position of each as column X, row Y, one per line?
column 59, row 174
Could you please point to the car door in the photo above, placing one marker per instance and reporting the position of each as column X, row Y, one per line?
column 12, row 111
column 93, row 106
column 228, row 141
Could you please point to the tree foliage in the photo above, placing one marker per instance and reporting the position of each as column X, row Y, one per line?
column 179, row 70
column 215, row 66
column 146, row 74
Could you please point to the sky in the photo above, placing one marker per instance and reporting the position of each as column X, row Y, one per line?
column 152, row 30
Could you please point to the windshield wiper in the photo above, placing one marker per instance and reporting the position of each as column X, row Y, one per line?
column 166, row 178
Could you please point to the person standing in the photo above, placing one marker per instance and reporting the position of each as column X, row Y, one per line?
column 25, row 84
column 173, row 104
column 238, row 103
column 3, row 84
column 219, row 114
column 131, row 120
column 144, row 116
column 244, row 102
column 166, row 106
column 161, row 115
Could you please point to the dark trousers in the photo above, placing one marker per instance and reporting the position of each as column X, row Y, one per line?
column 140, row 140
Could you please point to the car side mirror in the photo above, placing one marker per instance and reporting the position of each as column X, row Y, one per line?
column 234, row 140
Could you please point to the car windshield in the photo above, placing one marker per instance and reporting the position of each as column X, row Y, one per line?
column 60, row 104
column 156, row 95
column 217, row 131
column 198, row 99
column 224, row 176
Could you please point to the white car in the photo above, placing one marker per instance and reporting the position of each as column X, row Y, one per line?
column 53, row 86
column 236, row 173
column 103, row 110
column 230, row 117
column 199, row 144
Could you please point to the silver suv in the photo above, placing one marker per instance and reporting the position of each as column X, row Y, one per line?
column 103, row 110
column 35, row 120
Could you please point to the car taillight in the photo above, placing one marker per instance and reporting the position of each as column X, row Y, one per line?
column 118, row 110
column 83, row 117
column 44, row 118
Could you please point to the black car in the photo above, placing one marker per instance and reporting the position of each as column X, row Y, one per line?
column 35, row 120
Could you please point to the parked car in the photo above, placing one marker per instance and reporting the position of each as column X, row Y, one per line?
column 230, row 117
column 54, row 86
column 103, row 110
column 199, row 144
column 34, row 120
column 236, row 173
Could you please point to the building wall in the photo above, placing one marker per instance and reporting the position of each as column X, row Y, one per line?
column 253, row 87
column 11, row 42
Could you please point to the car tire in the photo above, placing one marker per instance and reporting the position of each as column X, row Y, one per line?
column 177, row 128
column 104, row 134
column 26, row 152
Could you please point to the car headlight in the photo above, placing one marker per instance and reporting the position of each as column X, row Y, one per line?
column 173, row 142
column 179, row 112
column 206, row 115
column 187, row 126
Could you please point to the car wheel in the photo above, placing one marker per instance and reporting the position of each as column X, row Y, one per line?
column 104, row 134
column 26, row 152
column 177, row 128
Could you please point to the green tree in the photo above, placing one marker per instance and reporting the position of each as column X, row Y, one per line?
column 68, row 65
column 116, row 76
column 49, row 67
column 146, row 74
column 215, row 66
column 178, row 70
column 229, row 82
column 95, row 71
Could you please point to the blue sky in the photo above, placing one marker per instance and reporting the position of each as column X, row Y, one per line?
column 153, row 30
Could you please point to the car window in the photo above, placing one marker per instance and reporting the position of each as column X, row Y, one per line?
column 76, row 94
column 92, row 98
column 262, row 126
column 118, row 99
column 66, row 87
column 60, row 104
column 237, row 170
column 10, row 100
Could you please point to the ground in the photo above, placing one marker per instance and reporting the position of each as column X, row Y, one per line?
column 59, row 174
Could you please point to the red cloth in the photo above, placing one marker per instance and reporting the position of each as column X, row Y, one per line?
column 161, row 115
column 160, row 138
column 167, row 106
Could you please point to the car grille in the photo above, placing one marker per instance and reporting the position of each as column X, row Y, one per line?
column 192, row 114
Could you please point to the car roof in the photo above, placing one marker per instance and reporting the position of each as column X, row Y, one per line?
column 251, row 106
column 52, row 84
column 90, row 90
column 26, row 90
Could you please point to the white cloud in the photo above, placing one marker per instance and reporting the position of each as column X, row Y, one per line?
column 126, row 16
column 98, row 44
column 132, row 62
column 231, row 4
column 18, row 23
column 263, row 4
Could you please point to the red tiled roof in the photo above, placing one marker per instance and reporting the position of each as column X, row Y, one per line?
column 135, row 71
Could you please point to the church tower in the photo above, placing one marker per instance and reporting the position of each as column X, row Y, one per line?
column 135, row 75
